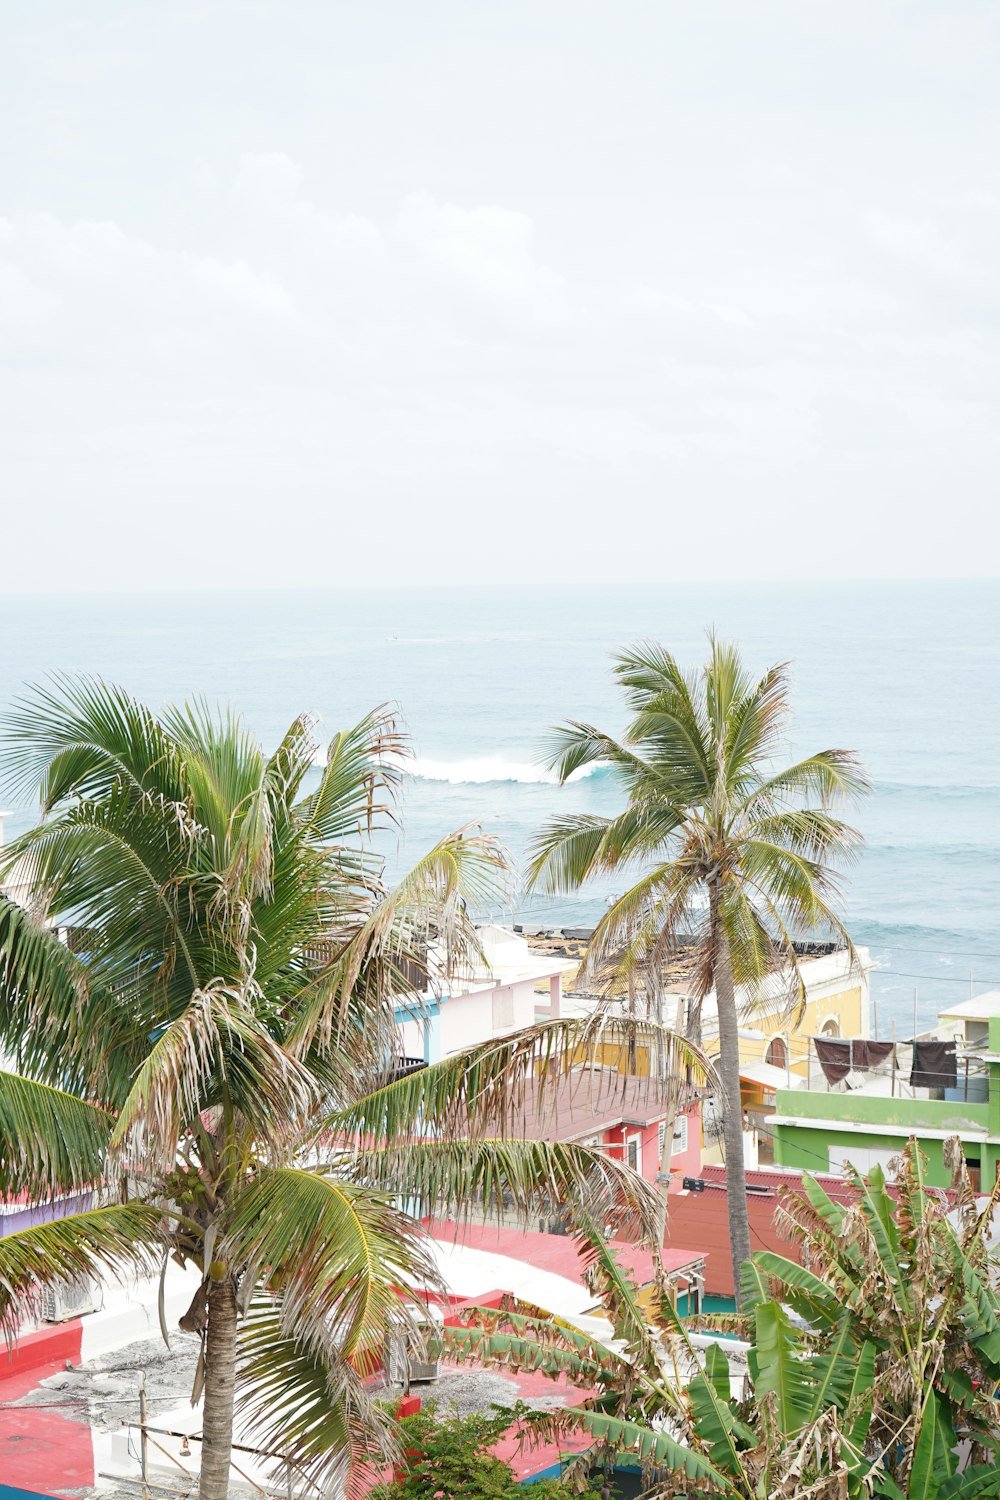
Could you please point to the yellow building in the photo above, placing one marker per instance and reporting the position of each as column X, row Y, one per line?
column 774, row 1045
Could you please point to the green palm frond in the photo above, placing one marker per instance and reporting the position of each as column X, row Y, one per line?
column 575, row 847
column 433, row 903
column 830, row 775
column 359, row 781
column 451, row 1176
column 480, row 1091
column 121, row 1240
column 753, row 952
column 641, row 927
column 576, row 746
column 305, row 1402
column 50, row 1141
column 508, row 1350
column 111, row 863
column 215, row 1053
column 810, row 832
column 753, row 722
column 43, row 989
column 619, row 1298
column 619, row 1439
column 81, row 737
column 290, row 762
column 465, row 871
column 544, row 1329
column 336, row 1253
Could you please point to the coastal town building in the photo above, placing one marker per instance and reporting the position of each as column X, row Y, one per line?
column 866, row 1116
column 775, row 1044
column 699, row 1216
column 627, row 1118
column 497, row 996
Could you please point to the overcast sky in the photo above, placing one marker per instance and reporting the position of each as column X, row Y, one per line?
column 499, row 289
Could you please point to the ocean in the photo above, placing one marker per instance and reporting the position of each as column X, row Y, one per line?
column 908, row 674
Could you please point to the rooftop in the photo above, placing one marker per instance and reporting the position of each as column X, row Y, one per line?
column 588, row 1100
column 506, row 959
column 976, row 1008
column 526, row 1253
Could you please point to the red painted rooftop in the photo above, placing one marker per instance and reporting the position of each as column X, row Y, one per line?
column 556, row 1252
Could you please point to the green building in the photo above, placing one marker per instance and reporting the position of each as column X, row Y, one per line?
column 819, row 1130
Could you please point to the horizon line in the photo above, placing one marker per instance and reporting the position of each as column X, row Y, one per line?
column 458, row 585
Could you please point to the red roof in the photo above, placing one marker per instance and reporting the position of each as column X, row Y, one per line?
column 703, row 1219
column 557, row 1252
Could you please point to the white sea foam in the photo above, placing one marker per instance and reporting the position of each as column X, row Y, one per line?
column 480, row 770
column 476, row 771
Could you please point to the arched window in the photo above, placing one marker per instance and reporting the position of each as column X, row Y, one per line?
column 830, row 1027
column 777, row 1052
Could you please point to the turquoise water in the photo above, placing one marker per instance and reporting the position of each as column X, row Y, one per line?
column 907, row 674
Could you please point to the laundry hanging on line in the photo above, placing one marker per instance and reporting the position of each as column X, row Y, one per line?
column 935, row 1065
column 839, row 1056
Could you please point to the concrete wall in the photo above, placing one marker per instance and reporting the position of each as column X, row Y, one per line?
column 463, row 1021
column 810, row 1150
column 17, row 1216
column 879, row 1109
column 861, row 1141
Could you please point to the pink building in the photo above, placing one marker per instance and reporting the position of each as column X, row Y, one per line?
column 623, row 1116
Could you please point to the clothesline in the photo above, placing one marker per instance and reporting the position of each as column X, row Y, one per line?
column 934, row 1063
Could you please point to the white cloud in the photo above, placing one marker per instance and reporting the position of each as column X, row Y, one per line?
column 489, row 247
column 468, row 300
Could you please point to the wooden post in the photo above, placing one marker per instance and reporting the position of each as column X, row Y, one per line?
column 893, row 1089
column 143, row 1440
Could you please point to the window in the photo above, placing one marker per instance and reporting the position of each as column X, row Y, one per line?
column 777, row 1053
column 634, row 1153
column 679, row 1139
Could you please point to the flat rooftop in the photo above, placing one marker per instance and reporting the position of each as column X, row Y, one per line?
column 556, row 1254
column 976, row 1008
column 586, row 1101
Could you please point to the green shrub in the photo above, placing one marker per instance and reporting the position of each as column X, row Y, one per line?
column 448, row 1456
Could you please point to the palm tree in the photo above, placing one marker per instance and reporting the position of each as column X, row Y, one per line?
column 210, row 1055
column 733, row 855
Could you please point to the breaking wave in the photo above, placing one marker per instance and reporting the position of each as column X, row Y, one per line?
column 482, row 770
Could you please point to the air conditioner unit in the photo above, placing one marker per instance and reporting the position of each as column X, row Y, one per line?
column 64, row 1300
column 412, row 1354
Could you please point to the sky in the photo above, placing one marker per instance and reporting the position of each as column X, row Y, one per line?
column 498, row 291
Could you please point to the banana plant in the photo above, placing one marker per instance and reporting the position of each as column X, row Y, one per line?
column 916, row 1280
column 873, row 1370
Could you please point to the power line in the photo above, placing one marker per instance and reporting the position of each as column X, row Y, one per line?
column 939, row 978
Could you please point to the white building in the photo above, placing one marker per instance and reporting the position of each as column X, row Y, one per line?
column 500, row 996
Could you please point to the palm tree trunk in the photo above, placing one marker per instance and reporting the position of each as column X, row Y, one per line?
column 732, row 1107
column 220, row 1390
